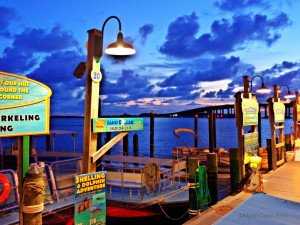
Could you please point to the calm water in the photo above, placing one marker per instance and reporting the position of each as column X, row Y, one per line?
column 163, row 134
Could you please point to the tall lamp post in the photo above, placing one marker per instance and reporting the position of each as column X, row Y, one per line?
column 93, row 78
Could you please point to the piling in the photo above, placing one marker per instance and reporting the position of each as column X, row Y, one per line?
column 33, row 199
column 289, row 142
column 135, row 145
column 196, row 130
column 125, row 145
column 193, row 164
column 211, row 129
column 107, row 139
column 234, row 168
column 212, row 177
column 270, row 153
column 152, row 134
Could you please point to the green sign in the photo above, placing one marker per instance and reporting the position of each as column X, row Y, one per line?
column 90, row 199
column 250, row 146
column 279, row 112
column 117, row 124
column 24, row 106
column 250, row 112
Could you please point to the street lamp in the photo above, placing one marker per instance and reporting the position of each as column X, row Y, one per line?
column 263, row 89
column 93, row 78
column 289, row 94
column 118, row 48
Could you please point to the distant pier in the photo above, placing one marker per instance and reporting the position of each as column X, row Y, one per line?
column 224, row 111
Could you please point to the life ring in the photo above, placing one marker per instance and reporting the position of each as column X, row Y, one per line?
column 6, row 188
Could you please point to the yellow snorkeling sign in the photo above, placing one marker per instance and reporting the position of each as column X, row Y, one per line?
column 24, row 106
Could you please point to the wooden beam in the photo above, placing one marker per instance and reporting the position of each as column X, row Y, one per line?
column 108, row 146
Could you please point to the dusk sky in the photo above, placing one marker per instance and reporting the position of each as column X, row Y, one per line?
column 189, row 53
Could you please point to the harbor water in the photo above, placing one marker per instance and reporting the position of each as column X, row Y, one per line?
column 164, row 139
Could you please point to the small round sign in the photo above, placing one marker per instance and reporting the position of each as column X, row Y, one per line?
column 96, row 76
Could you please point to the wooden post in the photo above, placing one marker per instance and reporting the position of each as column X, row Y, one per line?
column 240, row 133
column 91, row 101
column 135, row 145
column 152, row 134
column 212, row 177
column 107, row 139
column 33, row 203
column 125, row 145
column 259, row 128
column 196, row 130
column 278, row 150
column 296, row 115
column 234, row 168
column 193, row 164
column 211, row 131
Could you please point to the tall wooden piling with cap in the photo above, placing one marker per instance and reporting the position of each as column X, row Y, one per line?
column 32, row 202
column 234, row 169
column 212, row 177
column 193, row 164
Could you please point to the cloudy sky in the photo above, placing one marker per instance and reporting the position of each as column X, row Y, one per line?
column 189, row 53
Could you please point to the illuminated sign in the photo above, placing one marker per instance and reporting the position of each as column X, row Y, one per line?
column 250, row 112
column 24, row 106
column 117, row 124
column 279, row 112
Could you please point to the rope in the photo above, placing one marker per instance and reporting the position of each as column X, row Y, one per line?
column 201, row 189
column 36, row 188
column 170, row 218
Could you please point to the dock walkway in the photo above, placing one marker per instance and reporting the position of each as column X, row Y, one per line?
column 282, row 183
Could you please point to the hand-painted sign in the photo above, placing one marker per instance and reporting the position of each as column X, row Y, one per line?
column 24, row 106
column 90, row 199
column 279, row 112
column 117, row 124
column 250, row 112
column 250, row 146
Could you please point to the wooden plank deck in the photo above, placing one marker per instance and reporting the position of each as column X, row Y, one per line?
column 282, row 183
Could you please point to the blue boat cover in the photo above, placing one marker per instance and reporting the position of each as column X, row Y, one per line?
column 263, row 209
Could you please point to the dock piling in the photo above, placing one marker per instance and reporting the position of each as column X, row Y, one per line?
column 234, row 169
column 193, row 164
column 212, row 177
column 152, row 134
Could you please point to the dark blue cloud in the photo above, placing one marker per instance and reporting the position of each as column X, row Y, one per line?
column 220, row 68
column 16, row 61
column 39, row 40
column 129, row 85
column 231, row 5
column 57, row 67
column 7, row 15
column 225, row 36
column 145, row 31
column 225, row 93
column 210, row 94
column 22, row 55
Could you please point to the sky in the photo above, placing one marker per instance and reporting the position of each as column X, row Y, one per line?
column 190, row 53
